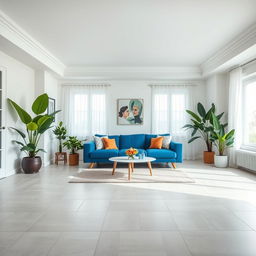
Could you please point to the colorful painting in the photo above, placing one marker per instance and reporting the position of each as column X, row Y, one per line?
column 130, row 111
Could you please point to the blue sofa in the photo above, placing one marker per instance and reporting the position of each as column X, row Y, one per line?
column 138, row 141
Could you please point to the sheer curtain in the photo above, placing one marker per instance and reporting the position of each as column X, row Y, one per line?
column 84, row 109
column 234, row 111
column 169, row 104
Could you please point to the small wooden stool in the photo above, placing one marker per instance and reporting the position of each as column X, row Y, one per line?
column 60, row 157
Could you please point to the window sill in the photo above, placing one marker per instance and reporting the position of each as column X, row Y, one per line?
column 248, row 148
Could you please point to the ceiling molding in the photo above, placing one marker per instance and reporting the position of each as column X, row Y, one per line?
column 234, row 48
column 132, row 73
column 19, row 37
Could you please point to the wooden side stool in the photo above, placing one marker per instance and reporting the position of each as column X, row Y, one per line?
column 60, row 157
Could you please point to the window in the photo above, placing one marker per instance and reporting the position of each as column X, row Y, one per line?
column 249, row 113
column 84, row 110
column 169, row 113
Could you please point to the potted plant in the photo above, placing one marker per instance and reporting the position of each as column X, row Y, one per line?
column 35, row 127
column 60, row 131
column 73, row 144
column 222, row 141
column 202, row 124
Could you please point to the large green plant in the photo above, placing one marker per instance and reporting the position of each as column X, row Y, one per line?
column 35, row 126
column 202, row 124
column 61, row 134
column 73, row 144
column 222, row 139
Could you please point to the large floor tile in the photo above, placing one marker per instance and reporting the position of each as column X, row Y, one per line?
column 121, row 221
column 18, row 221
column 141, row 243
column 80, row 221
column 157, row 221
column 248, row 217
column 33, row 244
column 221, row 243
column 78, row 244
column 138, row 205
column 7, row 239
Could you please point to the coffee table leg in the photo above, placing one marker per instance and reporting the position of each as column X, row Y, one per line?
column 114, row 168
column 150, row 168
column 132, row 166
column 129, row 170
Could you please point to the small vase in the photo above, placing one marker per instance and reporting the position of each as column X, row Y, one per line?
column 131, row 157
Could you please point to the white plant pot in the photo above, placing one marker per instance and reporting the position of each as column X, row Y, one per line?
column 221, row 161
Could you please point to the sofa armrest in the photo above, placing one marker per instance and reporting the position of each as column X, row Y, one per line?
column 177, row 147
column 88, row 147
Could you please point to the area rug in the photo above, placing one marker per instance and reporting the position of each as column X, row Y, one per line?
column 140, row 175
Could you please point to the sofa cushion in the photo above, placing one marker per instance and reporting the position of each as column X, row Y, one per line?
column 104, row 153
column 116, row 137
column 148, row 138
column 135, row 141
column 161, row 153
column 122, row 152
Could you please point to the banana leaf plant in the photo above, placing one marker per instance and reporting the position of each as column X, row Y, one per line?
column 222, row 139
column 34, row 126
column 202, row 125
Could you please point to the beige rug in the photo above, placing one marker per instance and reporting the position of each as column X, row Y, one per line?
column 140, row 175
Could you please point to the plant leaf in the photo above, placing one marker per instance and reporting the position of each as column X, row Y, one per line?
column 230, row 134
column 18, row 142
column 194, row 115
column 24, row 116
column 194, row 138
column 201, row 110
column 40, row 104
column 216, row 122
column 32, row 126
column 19, row 132
column 220, row 115
column 54, row 113
column 194, row 132
column 45, row 125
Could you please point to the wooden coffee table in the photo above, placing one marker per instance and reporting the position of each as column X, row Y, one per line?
column 131, row 162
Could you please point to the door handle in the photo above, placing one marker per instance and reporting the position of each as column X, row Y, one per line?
column 2, row 128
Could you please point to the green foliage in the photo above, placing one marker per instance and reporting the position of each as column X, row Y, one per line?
column 73, row 144
column 221, row 138
column 202, row 123
column 35, row 126
column 61, row 134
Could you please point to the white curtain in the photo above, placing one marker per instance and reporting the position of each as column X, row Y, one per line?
column 169, row 104
column 84, row 109
column 234, row 111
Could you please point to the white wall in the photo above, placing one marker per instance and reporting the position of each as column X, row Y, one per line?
column 50, row 143
column 217, row 92
column 19, row 84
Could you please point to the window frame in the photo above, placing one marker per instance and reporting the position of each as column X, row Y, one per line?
column 246, row 146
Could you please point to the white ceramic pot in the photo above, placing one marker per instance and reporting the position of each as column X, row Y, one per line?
column 221, row 161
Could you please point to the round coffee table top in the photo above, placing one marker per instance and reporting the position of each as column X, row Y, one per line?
column 124, row 159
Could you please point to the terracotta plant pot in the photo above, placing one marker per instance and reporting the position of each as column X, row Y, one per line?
column 208, row 157
column 73, row 159
column 31, row 164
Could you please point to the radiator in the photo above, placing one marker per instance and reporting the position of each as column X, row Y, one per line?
column 246, row 159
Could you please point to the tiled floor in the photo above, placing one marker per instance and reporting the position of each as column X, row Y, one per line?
column 43, row 214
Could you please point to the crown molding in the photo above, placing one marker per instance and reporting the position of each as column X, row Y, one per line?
column 20, row 38
column 132, row 73
column 241, row 43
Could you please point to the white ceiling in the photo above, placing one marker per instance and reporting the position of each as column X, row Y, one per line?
column 132, row 32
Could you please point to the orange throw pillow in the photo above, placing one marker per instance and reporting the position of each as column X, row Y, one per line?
column 156, row 142
column 109, row 143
